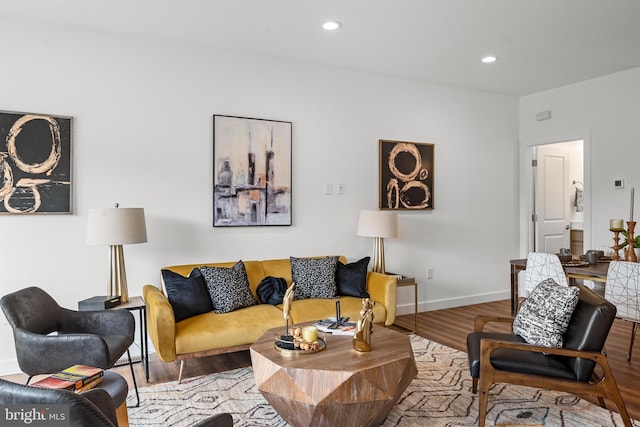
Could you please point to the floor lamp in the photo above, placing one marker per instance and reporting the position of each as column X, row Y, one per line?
column 379, row 225
column 116, row 227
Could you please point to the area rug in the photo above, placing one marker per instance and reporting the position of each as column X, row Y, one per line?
column 440, row 396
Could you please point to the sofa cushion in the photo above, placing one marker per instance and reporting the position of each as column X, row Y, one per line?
column 545, row 315
column 228, row 287
column 188, row 296
column 314, row 277
column 271, row 290
column 351, row 279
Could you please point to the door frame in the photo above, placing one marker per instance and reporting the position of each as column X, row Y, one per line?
column 527, row 187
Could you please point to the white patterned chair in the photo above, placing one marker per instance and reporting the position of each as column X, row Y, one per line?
column 623, row 290
column 542, row 266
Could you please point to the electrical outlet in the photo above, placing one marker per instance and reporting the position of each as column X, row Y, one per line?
column 429, row 273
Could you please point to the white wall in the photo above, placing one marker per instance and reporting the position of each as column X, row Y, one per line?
column 143, row 137
column 607, row 111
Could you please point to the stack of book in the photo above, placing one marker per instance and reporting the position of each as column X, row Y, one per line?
column 336, row 328
column 76, row 378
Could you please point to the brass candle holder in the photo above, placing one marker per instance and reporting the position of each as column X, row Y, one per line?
column 631, row 253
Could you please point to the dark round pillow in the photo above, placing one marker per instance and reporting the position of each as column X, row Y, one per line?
column 271, row 290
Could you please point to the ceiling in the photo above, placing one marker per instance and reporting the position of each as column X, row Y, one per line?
column 541, row 44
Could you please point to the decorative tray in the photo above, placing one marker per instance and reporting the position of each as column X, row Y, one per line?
column 284, row 344
column 575, row 263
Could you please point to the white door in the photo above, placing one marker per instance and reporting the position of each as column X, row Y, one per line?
column 552, row 212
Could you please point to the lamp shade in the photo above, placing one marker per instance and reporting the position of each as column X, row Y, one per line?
column 378, row 224
column 116, row 226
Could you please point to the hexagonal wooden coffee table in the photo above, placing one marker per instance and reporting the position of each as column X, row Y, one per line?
column 338, row 386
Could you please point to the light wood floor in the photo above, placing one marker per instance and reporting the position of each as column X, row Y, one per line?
column 449, row 327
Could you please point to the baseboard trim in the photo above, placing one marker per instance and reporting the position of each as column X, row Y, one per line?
column 452, row 302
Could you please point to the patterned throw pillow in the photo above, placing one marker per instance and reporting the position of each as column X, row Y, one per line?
column 228, row 287
column 545, row 315
column 314, row 277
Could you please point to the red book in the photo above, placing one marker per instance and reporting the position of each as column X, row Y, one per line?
column 72, row 378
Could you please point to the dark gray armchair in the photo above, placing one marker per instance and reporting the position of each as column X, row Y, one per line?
column 90, row 408
column 50, row 338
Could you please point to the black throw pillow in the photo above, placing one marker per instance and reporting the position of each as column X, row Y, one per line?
column 187, row 295
column 271, row 290
column 352, row 278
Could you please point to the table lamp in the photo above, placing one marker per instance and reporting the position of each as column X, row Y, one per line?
column 379, row 225
column 116, row 227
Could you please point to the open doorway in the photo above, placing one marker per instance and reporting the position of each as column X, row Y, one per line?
column 558, row 202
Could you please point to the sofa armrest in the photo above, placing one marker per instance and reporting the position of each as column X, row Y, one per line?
column 161, row 323
column 383, row 290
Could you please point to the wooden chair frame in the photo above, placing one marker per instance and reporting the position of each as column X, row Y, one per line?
column 598, row 387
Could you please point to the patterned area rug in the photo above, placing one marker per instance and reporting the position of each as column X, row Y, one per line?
column 439, row 396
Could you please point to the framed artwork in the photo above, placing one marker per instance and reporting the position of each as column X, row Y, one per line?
column 406, row 175
column 35, row 163
column 251, row 172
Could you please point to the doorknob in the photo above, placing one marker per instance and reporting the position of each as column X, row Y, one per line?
column 567, row 227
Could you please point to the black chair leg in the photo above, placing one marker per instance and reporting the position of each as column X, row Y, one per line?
column 28, row 379
column 133, row 376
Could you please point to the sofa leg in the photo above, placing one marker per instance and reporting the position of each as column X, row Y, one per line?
column 180, row 372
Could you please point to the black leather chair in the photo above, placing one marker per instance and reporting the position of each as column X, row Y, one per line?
column 507, row 358
column 93, row 407
column 49, row 338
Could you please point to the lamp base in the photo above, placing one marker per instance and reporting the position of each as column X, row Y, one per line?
column 117, row 273
column 378, row 255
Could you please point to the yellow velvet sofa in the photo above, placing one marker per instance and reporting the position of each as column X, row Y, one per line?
column 211, row 333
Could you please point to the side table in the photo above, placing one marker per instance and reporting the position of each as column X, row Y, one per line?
column 137, row 304
column 409, row 281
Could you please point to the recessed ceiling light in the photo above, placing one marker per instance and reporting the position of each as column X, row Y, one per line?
column 331, row 25
column 489, row 59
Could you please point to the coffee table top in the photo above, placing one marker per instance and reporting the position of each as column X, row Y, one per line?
column 387, row 345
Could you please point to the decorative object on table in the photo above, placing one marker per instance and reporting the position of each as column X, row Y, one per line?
column 116, row 227
column 364, row 327
column 564, row 257
column 286, row 301
column 300, row 341
column 379, row 225
column 101, row 302
column 35, row 171
column 406, row 175
column 252, row 172
column 616, row 226
column 630, row 253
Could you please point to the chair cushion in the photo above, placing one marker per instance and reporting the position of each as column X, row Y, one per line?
column 526, row 362
column 351, row 279
column 545, row 315
column 228, row 288
column 188, row 296
column 314, row 277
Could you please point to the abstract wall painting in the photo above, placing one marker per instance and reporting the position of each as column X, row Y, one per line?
column 35, row 163
column 251, row 172
column 406, row 175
